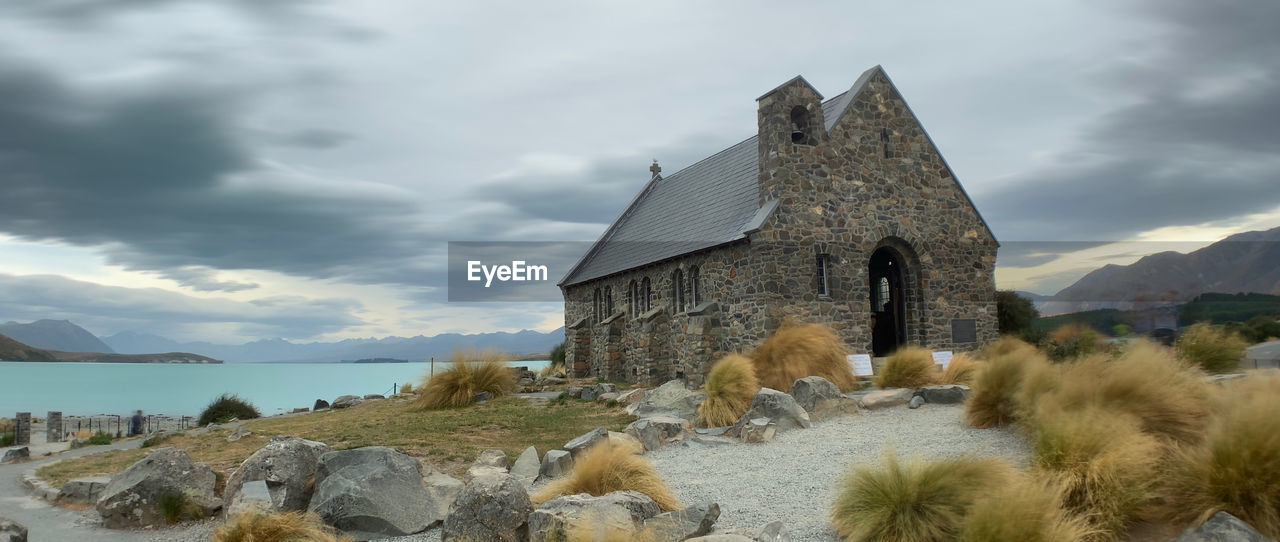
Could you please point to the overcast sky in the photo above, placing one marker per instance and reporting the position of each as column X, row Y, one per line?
column 233, row 170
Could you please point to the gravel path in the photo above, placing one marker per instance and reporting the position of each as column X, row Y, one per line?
column 792, row 478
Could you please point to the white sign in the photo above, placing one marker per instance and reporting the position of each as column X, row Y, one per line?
column 942, row 359
column 861, row 364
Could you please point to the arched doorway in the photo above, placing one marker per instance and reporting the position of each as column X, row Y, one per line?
column 888, row 311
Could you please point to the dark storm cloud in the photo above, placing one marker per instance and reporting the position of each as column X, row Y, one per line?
column 1200, row 144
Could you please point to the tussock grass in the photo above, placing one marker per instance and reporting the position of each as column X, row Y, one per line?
column 607, row 467
column 994, row 399
column 407, row 387
column 1107, row 466
column 908, row 367
column 1237, row 466
column 1006, row 344
column 287, row 527
column 226, row 407
column 961, row 370
column 913, row 502
column 1025, row 510
column 799, row 350
column 731, row 385
column 1214, row 349
column 471, row 373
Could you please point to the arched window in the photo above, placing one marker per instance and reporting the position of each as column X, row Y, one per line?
column 645, row 294
column 595, row 307
column 882, row 295
column 800, row 134
column 677, row 291
column 608, row 301
column 633, row 304
column 823, row 270
column 695, row 288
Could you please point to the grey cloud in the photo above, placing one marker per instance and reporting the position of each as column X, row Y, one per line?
column 314, row 138
column 202, row 280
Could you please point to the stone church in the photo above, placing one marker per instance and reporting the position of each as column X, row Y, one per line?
column 838, row 211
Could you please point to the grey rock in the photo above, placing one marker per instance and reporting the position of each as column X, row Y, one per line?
column 77, row 443
column 490, row 508
column 321, row 404
column 584, row 442
column 1222, row 527
column 12, row 531
column 683, row 524
column 482, row 397
column 808, row 390
column 670, row 399
column 574, row 391
column 442, row 490
column 588, row 394
column 346, row 401
column 830, row 408
column 777, row 406
column 300, row 410
column 526, row 466
column 133, row 497
column 773, row 531
column 372, row 492
column 374, row 396
column 239, row 433
column 252, row 497
column 555, row 463
column 619, row 510
column 16, row 454
column 605, row 387
column 606, row 397
column 758, row 430
column 944, row 395
column 489, row 462
column 658, row 431
column 886, row 398
column 551, row 380
column 287, row 465
column 711, row 431
column 915, row 402
column 83, row 489
column 646, row 432
column 630, row 397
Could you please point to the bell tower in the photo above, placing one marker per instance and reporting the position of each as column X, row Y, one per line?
column 791, row 130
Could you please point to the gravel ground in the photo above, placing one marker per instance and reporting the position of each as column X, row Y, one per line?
column 792, row 478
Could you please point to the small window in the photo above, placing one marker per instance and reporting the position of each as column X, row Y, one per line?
column 695, row 289
column 882, row 295
column 884, row 141
column 822, row 262
column 677, row 291
column 608, row 301
column 645, row 294
column 595, row 307
column 633, row 304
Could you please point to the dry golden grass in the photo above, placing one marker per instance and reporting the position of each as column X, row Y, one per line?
column 1106, row 464
column 731, row 385
column 962, row 369
column 1025, row 510
column 450, row 439
column 914, row 502
column 286, row 527
column 471, row 374
column 908, row 367
column 799, row 350
column 1214, row 349
column 407, row 387
column 995, row 396
column 593, row 529
column 1237, row 466
column 607, row 467
column 1006, row 344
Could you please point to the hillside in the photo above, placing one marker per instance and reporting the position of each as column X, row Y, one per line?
column 11, row 350
column 1245, row 262
column 55, row 335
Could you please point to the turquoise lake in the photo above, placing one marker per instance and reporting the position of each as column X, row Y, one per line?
column 174, row 389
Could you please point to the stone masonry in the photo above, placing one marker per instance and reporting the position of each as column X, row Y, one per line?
column 23, row 427
column 871, row 181
column 53, row 427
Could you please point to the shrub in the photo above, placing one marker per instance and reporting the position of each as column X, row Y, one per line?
column 908, row 367
column 459, row 385
column 1026, row 510
column 731, row 386
column 918, row 501
column 607, row 467
column 960, row 370
column 1072, row 341
column 286, row 527
column 1215, row 350
column 1014, row 313
column 227, row 407
column 407, row 387
column 1237, row 466
column 100, row 438
column 1105, row 463
column 994, row 399
column 799, row 350
column 557, row 354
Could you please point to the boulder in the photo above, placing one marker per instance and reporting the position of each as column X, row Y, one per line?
column 1222, row 527
column 830, row 408
column 252, row 497
column 77, row 443
column 584, row 442
column 443, row 490
column 605, row 387
column 321, row 404
column 494, row 507
column 670, row 399
column 683, row 524
column 374, row 396
column 758, row 430
column 489, row 462
column 555, row 463
column 83, row 489
column 574, row 391
column 287, row 465
column 646, row 432
column 551, row 381
column 167, row 478
column 886, row 398
column 606, row 397
column 915, row 402
column 588, row 393
column 944, row 395
column 12, row 531
column 300, row 410
column 631, row 396
column 526, row 466
column 346, row 401
column 239, row 433
column 624, row 511
column 773, row 531
column 16, row 454
column 808, row 390
column 778, row 407
column 623, row 438
column 372, row 492
column 482, row 397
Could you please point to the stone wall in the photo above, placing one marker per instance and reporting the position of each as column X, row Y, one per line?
column 23, row 427
column 53, row 427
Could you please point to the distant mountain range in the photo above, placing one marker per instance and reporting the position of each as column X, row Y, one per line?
column 11, row 350
column 1247, row 262
column 57, row 335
